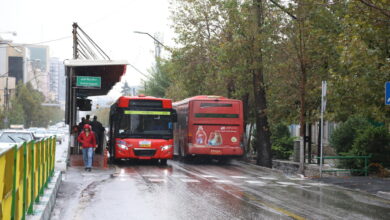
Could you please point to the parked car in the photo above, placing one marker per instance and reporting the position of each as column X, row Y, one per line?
column 59, row 135
column 41, row 133
column 9, row 138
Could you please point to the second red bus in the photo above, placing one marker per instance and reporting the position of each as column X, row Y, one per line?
column 209, row 126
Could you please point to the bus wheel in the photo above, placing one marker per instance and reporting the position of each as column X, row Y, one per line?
column 163, row 162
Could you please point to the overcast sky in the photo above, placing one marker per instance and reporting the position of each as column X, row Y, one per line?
column 110, row 23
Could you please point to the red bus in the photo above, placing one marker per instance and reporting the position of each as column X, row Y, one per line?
column 209, row 126
column 141, row 128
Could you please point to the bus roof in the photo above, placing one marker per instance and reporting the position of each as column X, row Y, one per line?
column 123, row 101
column 203, row 98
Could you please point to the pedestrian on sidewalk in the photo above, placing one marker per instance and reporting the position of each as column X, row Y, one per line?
column 88, row 142
column 73, row 140
column 87, row 119
column 98, row 129
column 81, row 124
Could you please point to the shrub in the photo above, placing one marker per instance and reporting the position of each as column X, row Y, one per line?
column 282, row 143
column 374, row 141
column 343, row 137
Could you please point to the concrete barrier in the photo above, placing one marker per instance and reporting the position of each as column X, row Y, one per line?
column 43, row 209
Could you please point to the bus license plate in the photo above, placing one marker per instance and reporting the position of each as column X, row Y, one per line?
column 215, row 151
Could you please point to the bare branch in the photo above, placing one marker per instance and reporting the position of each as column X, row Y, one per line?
column 372, row 5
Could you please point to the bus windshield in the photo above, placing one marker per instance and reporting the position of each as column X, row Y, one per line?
column 146, row 124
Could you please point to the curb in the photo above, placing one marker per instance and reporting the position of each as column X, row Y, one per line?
column 384, row 195
column 43, row 209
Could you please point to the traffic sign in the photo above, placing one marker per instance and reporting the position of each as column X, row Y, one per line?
column 88, row 82
column 387, row 93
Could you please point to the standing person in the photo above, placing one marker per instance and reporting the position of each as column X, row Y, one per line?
column 87, row 119
column 73, row 140
column 81, row 124
column 88, row 142
column 98, row 129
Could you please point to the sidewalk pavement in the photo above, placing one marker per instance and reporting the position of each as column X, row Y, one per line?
column 373, row 185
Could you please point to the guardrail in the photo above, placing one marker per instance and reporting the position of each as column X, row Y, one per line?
column 25, row 172
column 365, row 169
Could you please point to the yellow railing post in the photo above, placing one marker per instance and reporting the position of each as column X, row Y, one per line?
column 6, row 183
column 26, row 172
column 31, row 178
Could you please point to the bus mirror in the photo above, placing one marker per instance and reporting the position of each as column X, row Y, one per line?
column 174, row 115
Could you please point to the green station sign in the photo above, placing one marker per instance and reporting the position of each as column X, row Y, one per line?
column 88, row 82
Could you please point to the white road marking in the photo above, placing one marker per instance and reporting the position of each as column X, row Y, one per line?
column 190, row 180
column 178, row 175
column 150, row 175
column 157, row 180
column 317, row 184
column 295, row 178
column 239, row 177
column 208, row 176
column 255, row 182
column 222, row 181
column 267, row 178
column 287, row 183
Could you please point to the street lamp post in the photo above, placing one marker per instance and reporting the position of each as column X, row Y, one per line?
column 157, row 41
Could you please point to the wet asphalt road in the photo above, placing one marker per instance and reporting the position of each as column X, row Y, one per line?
column 207, row 191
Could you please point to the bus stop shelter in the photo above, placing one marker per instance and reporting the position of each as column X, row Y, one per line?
column 86, row 78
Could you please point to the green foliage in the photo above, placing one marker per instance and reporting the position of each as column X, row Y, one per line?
column 343, row 136
column 282, row 142
column 16, row 116
column 26, row 108
column 374, row 141
column 358, row 137
column 343, row 42
column 158, row 82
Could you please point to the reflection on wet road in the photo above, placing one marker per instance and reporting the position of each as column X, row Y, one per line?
column 211, row 191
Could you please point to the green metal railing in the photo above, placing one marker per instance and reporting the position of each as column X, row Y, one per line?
column 25, row 173
column 364, row 169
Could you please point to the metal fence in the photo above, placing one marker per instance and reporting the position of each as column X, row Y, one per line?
column 25, row 172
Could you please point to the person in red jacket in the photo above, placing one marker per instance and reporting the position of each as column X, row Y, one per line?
column 88, row 142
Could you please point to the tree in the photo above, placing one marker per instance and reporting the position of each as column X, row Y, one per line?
column 264, row 153
column 158, row 82
column 26, row 108
column 17, row 114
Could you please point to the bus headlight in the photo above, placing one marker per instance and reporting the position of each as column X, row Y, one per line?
column 166, row 147
column 122, row 146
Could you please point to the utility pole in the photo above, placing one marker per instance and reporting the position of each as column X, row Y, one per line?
column 73, row 107
column 75, row 42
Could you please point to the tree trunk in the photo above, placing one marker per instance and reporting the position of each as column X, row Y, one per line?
column 263, row 143
column 303, row 67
